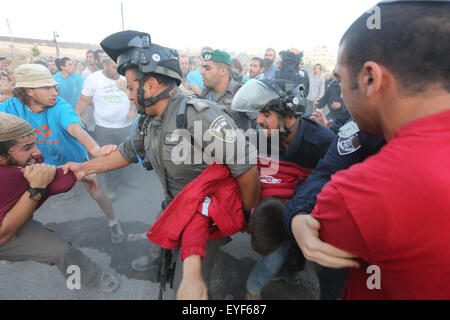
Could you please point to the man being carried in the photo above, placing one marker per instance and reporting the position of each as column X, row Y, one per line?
column 153, row 74
column 302, row 141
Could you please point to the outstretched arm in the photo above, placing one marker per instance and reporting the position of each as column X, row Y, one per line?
column 112, row 161
column 88, row 142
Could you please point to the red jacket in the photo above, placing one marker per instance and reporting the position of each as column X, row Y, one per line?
column 210, row 206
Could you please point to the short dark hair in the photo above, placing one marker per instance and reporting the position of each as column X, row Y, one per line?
column 5, row 146
column 221, row 65
column 96, row 56
column 413, row 43
column 90, row 51
column 163, row 80
column 266, row 226
column 261, row 61
column 160, row 78
column 61, row 62
column 273, row 50
column 237, row 64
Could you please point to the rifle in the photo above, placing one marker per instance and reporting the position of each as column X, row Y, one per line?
column 166, row 271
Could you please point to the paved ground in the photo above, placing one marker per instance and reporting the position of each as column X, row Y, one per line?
column 82, row 223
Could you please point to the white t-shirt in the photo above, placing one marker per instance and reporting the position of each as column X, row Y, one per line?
column 111, row 105
column 86, row 73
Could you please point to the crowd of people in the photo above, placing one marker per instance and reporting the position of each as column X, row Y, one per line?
column 347, row 172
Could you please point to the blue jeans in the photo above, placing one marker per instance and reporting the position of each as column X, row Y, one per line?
column 267, row 267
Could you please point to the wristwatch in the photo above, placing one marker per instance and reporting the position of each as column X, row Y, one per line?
column 37, row 194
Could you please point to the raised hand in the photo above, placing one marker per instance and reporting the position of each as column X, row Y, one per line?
column 319, row 117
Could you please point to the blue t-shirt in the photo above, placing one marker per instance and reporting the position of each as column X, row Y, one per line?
column 195, row 78
column 70, row 88
column 53, row 140
column 270, row 73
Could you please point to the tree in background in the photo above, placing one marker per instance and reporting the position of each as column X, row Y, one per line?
column 35, row 52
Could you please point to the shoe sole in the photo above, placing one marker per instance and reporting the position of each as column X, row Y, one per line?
column 141, row 270
column 111, row 290
column 118, row 241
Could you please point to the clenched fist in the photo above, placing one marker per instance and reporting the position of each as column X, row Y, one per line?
column 39, row 175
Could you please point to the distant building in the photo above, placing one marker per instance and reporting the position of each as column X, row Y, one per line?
column 321, row 55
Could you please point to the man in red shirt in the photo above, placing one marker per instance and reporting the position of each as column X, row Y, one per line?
column 389, row 215
column 26, row 182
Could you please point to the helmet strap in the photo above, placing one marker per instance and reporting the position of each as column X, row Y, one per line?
column 148, row 102
column 284, row 131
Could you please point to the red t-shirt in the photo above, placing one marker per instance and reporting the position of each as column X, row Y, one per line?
column 393, row 211
column 13, row 185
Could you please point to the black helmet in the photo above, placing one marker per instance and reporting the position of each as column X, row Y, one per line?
column 133, row 49
column 283, row 96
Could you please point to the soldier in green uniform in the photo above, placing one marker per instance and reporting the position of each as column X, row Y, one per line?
column 168, row 118
column 220, row 86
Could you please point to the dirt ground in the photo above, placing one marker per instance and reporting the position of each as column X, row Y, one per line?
column 82, row 223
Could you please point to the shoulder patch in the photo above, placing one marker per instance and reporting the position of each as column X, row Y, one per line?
column 348, row 130
column 171, row 139
column 348, row 145
column 222, row 129
column 199, row 104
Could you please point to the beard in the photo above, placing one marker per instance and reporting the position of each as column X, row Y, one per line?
column 11, row 162
column 268, row 63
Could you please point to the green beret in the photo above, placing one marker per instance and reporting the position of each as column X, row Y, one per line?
column 218, row 56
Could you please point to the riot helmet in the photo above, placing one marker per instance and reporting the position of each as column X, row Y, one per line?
column 133, row 49
column 283, row 96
